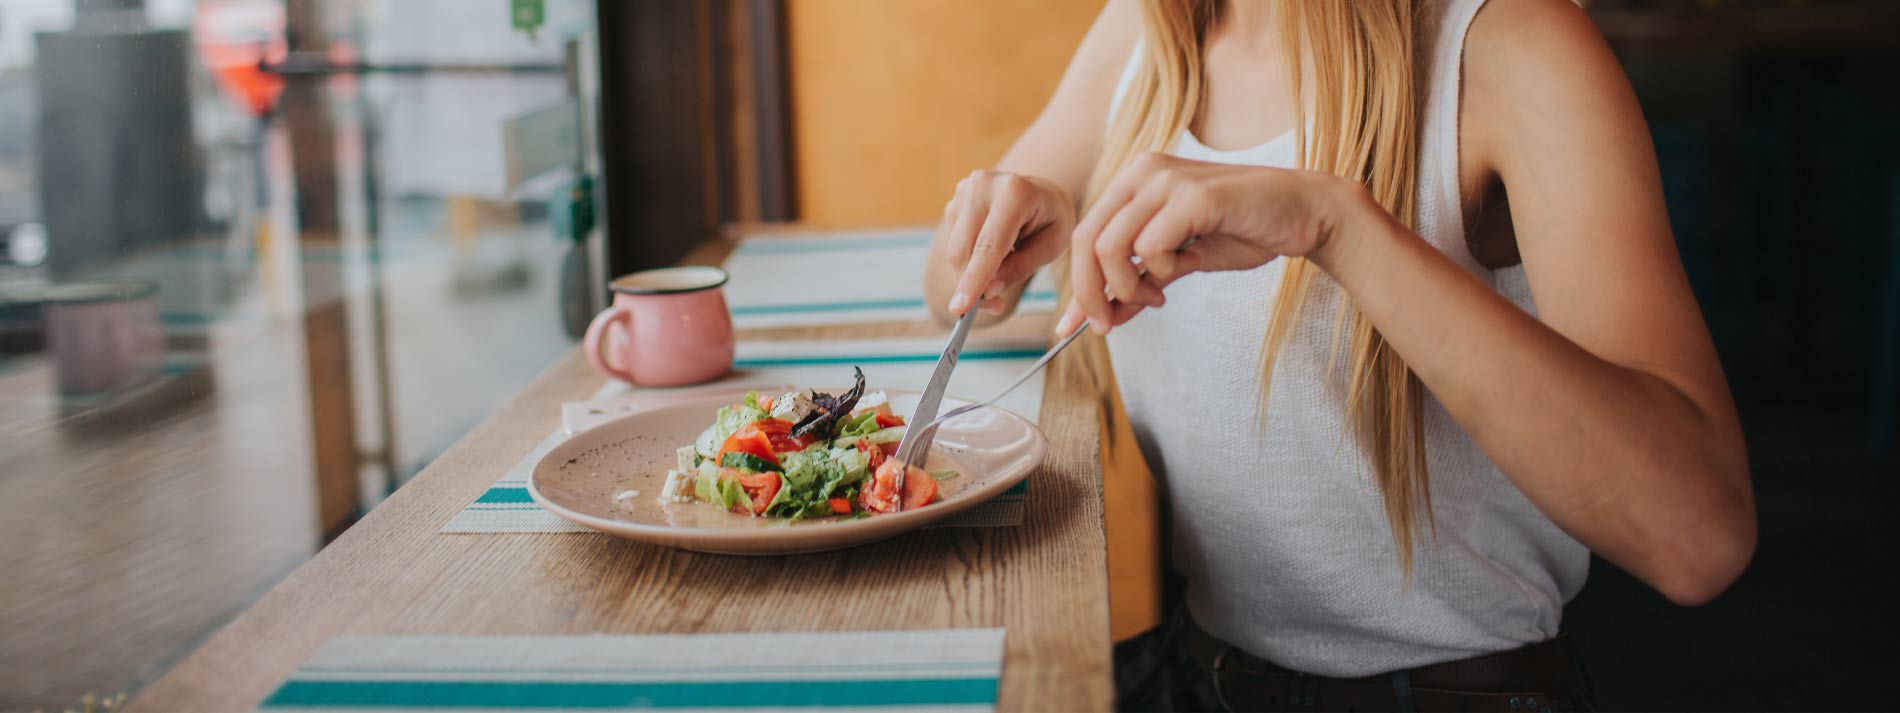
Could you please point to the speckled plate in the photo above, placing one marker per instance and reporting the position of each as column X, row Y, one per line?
column 990, row 448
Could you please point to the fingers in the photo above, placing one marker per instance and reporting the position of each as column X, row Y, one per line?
column 967, row 218
column 1120, row 190
column 993, row 242
column 1089, row 290
column 1136, row 240
column 1160, row 246
column 1115, row 246
column 1071, row 318
column 1085, row 276
column 1118, row 315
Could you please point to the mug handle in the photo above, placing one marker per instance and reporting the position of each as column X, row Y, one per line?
column 596, row 341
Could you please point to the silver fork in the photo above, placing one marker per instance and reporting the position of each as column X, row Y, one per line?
column 925, row 431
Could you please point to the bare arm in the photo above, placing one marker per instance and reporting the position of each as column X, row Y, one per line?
column 1019, row 206
column 1611, row 413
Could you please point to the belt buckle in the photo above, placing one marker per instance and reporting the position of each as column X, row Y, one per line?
column 1218, row 667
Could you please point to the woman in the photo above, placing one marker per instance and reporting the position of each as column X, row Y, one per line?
column 1392, row 301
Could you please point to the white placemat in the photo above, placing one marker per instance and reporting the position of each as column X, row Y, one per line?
column 940, row 670
column 834, row 278
column 987, row 365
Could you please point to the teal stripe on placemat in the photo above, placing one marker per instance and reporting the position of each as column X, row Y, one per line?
column 571, row 694
column 970, row 668
column 863, row 305
column 802, row 247
column 991, row 355
column 504, row 495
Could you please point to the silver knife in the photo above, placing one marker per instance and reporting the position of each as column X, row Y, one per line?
column 915, row 448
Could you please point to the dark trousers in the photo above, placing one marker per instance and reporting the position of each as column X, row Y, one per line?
column 1155, row 672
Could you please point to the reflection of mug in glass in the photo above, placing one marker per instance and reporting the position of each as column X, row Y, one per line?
column 103, row 335
column 666, row 327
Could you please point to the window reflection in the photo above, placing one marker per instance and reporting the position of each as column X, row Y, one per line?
column 238, row 307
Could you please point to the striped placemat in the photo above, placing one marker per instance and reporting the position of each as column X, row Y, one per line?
column 834, row 278
column 946, row 670
column 987, row 365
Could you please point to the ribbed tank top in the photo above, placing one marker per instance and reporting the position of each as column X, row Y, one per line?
column 1283, row 536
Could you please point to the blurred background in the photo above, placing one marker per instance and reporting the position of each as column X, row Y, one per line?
column 262, row 260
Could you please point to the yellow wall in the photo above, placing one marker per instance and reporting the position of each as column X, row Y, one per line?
column 893, row 101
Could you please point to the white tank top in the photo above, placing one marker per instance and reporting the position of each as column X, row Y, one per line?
column 1284, row 538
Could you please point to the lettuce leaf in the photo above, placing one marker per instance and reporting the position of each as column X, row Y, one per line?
column 863, row 423
column 812, row 477
column 724, row 492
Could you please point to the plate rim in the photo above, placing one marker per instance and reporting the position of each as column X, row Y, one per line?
column 1039, row 450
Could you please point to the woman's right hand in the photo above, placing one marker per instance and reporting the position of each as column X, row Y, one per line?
column 997, row 231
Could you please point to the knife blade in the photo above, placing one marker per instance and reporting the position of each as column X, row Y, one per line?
column 914, row 449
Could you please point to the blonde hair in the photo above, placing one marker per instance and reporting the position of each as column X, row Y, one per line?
column 1364, row 123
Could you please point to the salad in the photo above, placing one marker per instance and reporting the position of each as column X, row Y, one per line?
column 801, row 455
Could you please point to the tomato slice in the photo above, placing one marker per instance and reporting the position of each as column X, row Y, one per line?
column 779, row 431
column 762, row 487
column 879, row 494
column 919, row 489
column 885, row 420
column 765, row 404
column 840, row 506
column 748, row 439
column 874, row 453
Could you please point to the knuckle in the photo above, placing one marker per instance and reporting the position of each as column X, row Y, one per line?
column 990, row 248
column 1148, row 161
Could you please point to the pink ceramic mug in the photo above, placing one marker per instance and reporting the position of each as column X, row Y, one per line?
column 667, row 327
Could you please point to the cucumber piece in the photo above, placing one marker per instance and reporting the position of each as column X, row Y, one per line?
column 747, row 461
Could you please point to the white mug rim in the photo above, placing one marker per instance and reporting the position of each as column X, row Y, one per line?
column 709, row 278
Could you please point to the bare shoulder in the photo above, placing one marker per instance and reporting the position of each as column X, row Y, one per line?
column 1535, row 70
column 1533, row 38
column 1110, row 39
column 1090, row 79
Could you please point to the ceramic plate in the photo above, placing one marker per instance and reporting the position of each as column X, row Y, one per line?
column 990, row 448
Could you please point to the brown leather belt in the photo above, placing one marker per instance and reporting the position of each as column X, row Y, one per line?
column 1537, row 678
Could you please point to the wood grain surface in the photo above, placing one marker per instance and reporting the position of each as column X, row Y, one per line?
column 393, row 573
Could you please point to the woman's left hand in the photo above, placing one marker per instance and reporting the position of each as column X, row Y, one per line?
column 1163, row 217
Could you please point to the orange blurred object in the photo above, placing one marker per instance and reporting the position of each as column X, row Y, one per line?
column 234, row 37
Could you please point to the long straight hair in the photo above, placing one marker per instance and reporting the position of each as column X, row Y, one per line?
column 1365, row 128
